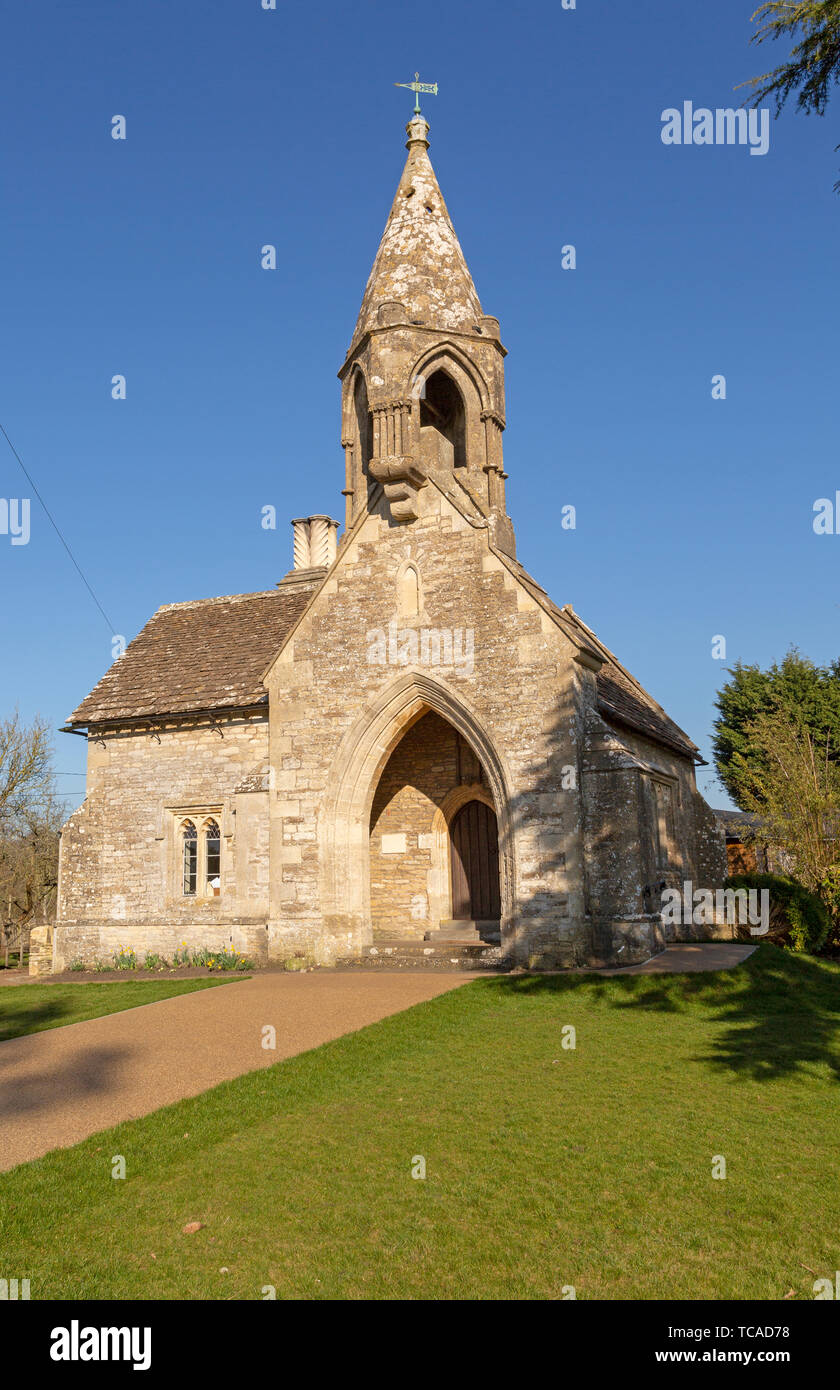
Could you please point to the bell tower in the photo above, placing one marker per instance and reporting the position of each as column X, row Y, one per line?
column 423, row 389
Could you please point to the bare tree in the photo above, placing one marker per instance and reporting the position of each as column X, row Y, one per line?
column 25, row 766
column 30, row 820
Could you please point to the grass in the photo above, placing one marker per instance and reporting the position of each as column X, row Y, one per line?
column 15, row 961
column 546, row 1167
column 32, row 1008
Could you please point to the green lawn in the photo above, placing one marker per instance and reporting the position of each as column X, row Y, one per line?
column 32, row 1008
column 545, row 1167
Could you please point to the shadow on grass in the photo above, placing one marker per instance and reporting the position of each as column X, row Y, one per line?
column 769, row 1017
column 28, row 1089
column 19, row 1021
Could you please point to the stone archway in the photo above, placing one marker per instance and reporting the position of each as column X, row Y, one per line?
column 364, row 752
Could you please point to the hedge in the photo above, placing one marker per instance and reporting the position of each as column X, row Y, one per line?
column 799, row 919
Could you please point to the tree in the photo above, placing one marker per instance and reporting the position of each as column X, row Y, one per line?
column 25, row 765
column 29, row 866
column 790, row 779
column 811, row 693
column 814, row 63
column 30, row 821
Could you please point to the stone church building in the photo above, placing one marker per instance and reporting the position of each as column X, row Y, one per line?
column 405, row 739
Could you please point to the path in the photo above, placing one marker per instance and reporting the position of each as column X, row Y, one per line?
column 700, row 955
column 59, row 1086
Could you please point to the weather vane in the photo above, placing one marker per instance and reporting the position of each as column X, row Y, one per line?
column 417, row 87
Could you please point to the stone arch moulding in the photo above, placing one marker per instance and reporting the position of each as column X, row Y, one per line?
column 349, row 401
column 356, row 441
column 447, row 356
column 472, row 388
column 364, row 751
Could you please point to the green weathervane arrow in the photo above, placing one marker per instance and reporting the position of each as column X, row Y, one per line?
column 417, row 87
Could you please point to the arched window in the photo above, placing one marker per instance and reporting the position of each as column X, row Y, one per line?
column 189, row 838
column 443, row 423
column 364, row 426
column 212, row 858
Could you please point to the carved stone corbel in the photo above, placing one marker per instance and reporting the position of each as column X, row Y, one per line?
column 402, row 478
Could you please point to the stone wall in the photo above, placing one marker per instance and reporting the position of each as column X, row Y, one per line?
column 341, row 699
column 423, row 641
column 646, row 829
column 41, row 946
column 120, row 859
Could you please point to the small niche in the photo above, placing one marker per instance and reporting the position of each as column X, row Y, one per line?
column 408, row 592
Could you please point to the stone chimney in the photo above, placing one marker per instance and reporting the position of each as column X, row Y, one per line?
column 314, row 548
column 300, row 545
column 323, row 542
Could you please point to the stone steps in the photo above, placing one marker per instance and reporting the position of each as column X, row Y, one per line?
column 422, row 955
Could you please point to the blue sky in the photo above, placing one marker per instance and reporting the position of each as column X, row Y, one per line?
column 246, row 127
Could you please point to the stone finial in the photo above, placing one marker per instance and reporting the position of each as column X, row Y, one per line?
column 417, row 131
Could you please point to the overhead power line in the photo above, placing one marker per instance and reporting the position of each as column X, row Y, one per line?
column 57, row 530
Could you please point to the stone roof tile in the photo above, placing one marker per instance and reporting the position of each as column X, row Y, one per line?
column 624, row 700
column 201, row 655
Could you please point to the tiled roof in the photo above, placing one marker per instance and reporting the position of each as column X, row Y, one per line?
column 622, row 699
column 734, row 822
column 205, row 655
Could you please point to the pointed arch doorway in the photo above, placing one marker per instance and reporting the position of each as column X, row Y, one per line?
column 367, row 746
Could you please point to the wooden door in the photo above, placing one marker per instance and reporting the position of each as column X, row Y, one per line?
column 474, row 849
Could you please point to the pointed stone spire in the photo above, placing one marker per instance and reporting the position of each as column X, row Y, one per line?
column 423, row 383
column 419, row 264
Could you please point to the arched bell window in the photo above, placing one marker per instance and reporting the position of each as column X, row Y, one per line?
column 189, row 842
column 443, row 422
column 212, row 858
column 364, row 428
